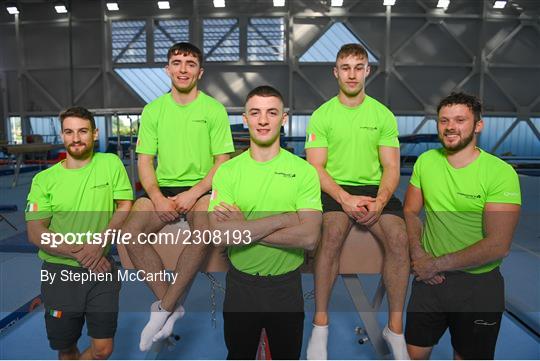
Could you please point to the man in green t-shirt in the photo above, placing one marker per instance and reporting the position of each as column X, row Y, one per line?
column 272, row 198
column 84, row 197
column 472, row 203
column 189, row 132
column 352, row 142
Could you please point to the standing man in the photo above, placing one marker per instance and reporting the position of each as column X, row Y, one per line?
column 86, row 192
column 273, row 198
column 352, row 142
column 190, row 134
column 472, row 202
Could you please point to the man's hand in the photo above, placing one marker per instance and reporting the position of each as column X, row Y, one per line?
column 103, row 266
column 356, row 206
column 166, row 209
column 424, row 268
column 88, row 255
column 184, row 201
column 374, row 209
column 226, row 212
column 418, row 253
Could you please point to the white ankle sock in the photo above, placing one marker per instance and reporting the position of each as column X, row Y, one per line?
column 396, row 343
column 167, row 328
column 317, row 345
column 158, row 317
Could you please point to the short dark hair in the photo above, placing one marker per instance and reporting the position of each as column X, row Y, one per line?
column 185, row 49
column 472, row 102
column 265, row 91
column 352, row 49
column 78, row 112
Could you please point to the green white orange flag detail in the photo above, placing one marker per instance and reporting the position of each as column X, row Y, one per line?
column 31, row 207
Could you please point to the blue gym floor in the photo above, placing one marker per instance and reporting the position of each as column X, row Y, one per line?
column 202, row 339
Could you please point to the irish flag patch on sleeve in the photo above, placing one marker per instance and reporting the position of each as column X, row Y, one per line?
column 310, row 137
column 31, row 207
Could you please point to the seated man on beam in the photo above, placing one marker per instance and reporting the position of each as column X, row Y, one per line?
column 272, row 198
column 472, row 202
column 352, row 142
column 190, row 134
column 84, row 198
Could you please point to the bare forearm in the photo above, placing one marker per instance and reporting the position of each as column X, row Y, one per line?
column 147, row 176
column 256, row 228
column 389, row 183
column 414, row 232
column 206, row 183
column 303, row 236
column 485, row 251
column 329, row 186
column 120, row 215
column 37, row 238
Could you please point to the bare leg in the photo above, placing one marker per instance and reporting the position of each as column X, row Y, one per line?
column 419, row 353
column 336, row 228
column 390, row 230
column 191, row 258
column 100, row 349
column 144, row 219
column 71, row 353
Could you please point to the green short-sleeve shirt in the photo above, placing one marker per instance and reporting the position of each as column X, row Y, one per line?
column 286, row 183
column 353, row 137
column 454, row 199
column 78, row 200
column 185, row 138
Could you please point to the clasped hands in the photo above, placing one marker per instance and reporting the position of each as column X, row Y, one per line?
column 363, row 210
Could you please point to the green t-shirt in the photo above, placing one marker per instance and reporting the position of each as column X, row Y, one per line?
column 184, row 137
column 454, row 200
column 353, row 137
column 78, row 200
column 286, row 183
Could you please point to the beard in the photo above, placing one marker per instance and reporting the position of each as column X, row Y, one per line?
column 84, row 152
column 462, row 144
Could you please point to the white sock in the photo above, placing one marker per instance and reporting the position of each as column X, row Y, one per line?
column 158, row 316
column 316, row 349
column 396, row 343
column 167, row 328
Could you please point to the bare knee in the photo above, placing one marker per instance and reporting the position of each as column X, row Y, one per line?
column 71, row 353
column 397, row 244
column 102, row 349
column 333, row 237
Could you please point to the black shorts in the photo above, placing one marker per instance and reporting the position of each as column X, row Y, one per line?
column 469, row 305
column 171, row 191
column 68, row 303
column 393, row 206
column 275, row 303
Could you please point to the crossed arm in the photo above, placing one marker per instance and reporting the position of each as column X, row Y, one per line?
column 499, row 222
column 286, row 230
column 88, row 255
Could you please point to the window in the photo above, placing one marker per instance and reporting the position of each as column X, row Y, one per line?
column 221, row 39
column 167, row 33
column 266, row 39
column 129, row 41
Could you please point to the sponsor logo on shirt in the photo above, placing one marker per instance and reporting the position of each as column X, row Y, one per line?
column 31, row 207
column 213, row 195
column 510, row 194
column 368, row 128
column 286, row 175
column 310, row 137
column 100, row 185
column 199, row 121
column 469, row 196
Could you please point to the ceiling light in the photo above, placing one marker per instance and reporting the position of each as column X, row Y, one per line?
column 113, row 6
column 389, row 2
column 279, row 3
column 337, row 3
column 499, row 4
column 443, row 4
column 12, row 10
column 163, row 5
column 60, row 9
column 219, row 3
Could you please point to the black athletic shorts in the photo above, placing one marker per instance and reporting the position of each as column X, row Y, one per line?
column 470, row 305
column 69, row 302
column 275, row 303
column 393, row 206
column 171, row 191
